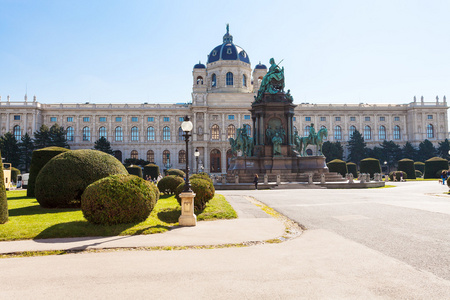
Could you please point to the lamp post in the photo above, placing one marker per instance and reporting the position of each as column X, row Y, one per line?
column 187, row 218
column 196, row 154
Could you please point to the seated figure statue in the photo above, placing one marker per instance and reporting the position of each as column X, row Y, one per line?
column 272, row 82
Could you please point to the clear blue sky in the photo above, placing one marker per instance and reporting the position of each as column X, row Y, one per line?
column 144, row 51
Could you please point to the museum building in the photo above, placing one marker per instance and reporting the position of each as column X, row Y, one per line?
column 222, row 93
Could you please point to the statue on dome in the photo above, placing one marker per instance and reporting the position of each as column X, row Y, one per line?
column 272, row 82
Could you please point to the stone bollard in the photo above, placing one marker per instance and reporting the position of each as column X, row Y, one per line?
column 266, row 179
column 224, row 179
column 187, row 218
column 386, row 177
column 214, row 179
column 322, row 178
column 310, row 178
column 236, row 179
column 350, row 178
column 278, row 179
column 362, row 178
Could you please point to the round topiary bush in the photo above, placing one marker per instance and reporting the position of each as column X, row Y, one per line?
column 201, row 176
column 151, row 170
column 4, row 214
column 176, row 172
column 418, row 165
column 397, row 174
column 418, row 174
column 352, row 168
column 38, row 160
column 370, row 165
column 407, row 165
column 119, row 199
column 433, row 165
column 62, row 181
column 338, row 166
column 169, row 184
column 134, row 170
column 14, row 173
column 204, row 191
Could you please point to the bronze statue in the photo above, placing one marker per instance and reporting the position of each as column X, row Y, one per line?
column 272, row 82
column 276, row 141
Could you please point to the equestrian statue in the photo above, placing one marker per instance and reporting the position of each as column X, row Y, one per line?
column 301, row 143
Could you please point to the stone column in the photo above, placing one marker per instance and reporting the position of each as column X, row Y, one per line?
column 187, row 218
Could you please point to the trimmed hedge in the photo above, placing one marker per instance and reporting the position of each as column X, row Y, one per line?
column 407, row 165
column 14, row 173
column 418, row 174
column 418, row 165
column 119, row 199
column 176, row 172
column 204, row 191
column 3, row 200
column 62, row 181
column 134, row 170
column 201, row 176
column 169, row 184
column 151, row 170
column 352, row 168
column 397, row 175
column 38, row 160
column 433, row 165
column 370, row 165
column 338, row 166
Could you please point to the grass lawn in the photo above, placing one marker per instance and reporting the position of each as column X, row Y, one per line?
column 28, row 220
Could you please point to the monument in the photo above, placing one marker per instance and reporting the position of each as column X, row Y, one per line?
column 275, row 150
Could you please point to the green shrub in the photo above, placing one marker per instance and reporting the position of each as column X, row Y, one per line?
column 176, row 172
column 433, row 165
column 119, row 199
column 338, row 166
column 407, row 165
column 201, row 176
column 370, row 165
column 3, row 200
column 62, row 181
column 169, row 184
column 418, row 165
column 397, row 174
column 38, row 160
column 352, row 168
column 419, row 174
column 14, row 173
column 204, row 191
column 151, row 170
column 134, row 170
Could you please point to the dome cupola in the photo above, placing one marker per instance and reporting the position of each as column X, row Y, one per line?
column 228, row 50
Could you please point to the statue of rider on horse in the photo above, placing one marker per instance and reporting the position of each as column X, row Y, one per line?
column 301, row 143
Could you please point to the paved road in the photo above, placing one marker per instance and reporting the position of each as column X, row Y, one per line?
column 410, row 222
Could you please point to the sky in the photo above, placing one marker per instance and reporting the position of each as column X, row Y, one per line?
column 144, row 51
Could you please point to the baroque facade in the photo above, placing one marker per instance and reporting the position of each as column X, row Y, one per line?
column 222, row 93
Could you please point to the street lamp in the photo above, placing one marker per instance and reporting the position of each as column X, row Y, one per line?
column 196, row 154
column 187, row 126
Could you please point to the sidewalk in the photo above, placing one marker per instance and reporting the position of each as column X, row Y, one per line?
column 252, row 225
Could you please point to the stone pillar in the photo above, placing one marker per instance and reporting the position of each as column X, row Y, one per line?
column 363, row 178
column 266, row 179
column 236, row 179
column 187, row 218
column 278, row 179
column 386, row 177
column 322, row 178
column 224, row 179
column 350, row 178
column 310, row 178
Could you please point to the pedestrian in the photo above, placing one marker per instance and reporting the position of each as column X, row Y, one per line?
column 255, row 181
column 444, row 177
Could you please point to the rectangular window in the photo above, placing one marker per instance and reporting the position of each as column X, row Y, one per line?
column 53, row 119
column 430, row 117
column 295, row 119
column 86, row 119
column 352, row 118
column 230, row 117
column 337, row 118
column 166, row 119
column 69, row 119
column 16, row 117
column 382, row 119
column 181, row 119
column 102, row 119
column 118, row 119
column 323, row 119
column 247, row 117
column 134, row 119
column 150, row 119
column 367, row 119
column 396, row 118
column 308, row 119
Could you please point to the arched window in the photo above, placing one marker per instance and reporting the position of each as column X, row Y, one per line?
column 324, row 137
column 229, row 78
column 231, row 131
column 69, row 134
column 367, row 133
column 306, row 132
column 249, row 129
column 244, row 80
column 180, row 134
column 215, row 158
column 134, row 134
column 166, row 133
column 150, row 134
column 118, row 134
column 182, row 157
column 166, row 156
column 86, row 134
column 102, row 132
column 430, row 131
column 200, row 80
column 134, row 154
column 213, row 80
column 351, row 131
column 17, row 133
column 397, row 135
column 337, row 133
column 215, row 132
column 150, row 156
column 382, row 133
